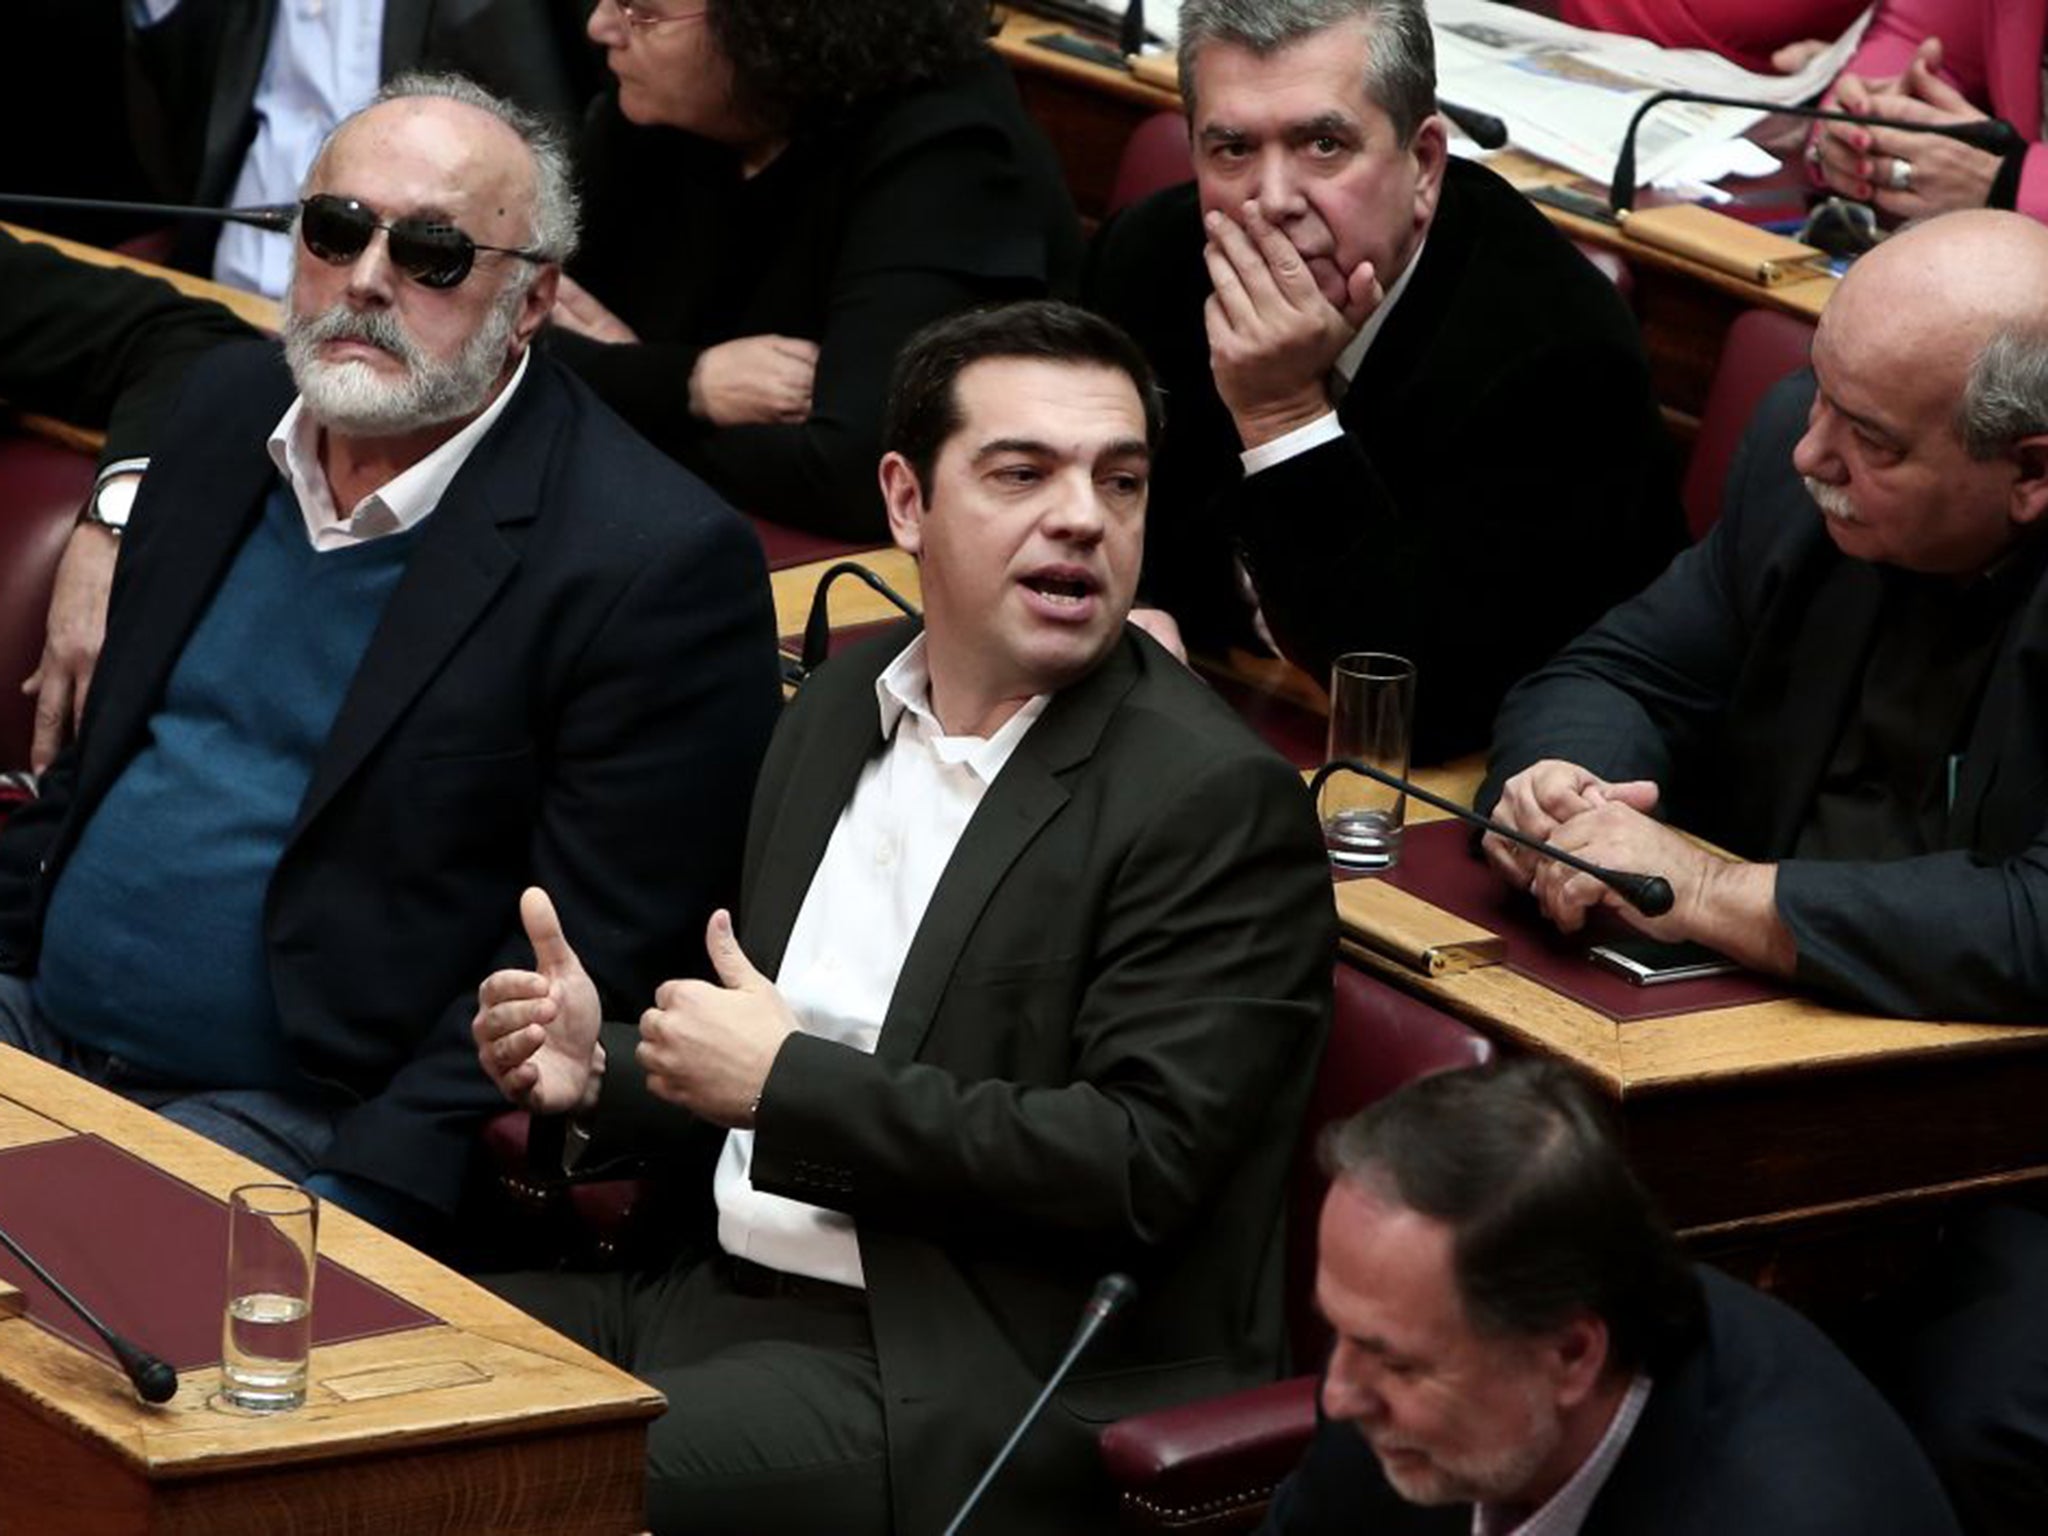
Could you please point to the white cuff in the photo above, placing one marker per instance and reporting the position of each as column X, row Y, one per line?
column 1323, row 429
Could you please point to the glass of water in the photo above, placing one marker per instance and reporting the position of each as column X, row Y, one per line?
column 268, row 1328
column 1372, row 716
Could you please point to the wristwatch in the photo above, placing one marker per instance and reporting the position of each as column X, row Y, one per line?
column 111, row 501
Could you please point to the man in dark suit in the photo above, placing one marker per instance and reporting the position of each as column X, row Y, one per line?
column 1846, row 685
column 222, row 90
column 1520, row 1346
column 1420, row 421
column 1037, row 960
column 452, row 630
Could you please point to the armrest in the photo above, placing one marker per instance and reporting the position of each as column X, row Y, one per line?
column 1210, row 1465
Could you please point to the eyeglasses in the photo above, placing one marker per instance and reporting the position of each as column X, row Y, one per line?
column 638, row 13
column 432, row 253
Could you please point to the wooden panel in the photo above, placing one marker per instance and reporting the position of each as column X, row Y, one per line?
column 489, row 1421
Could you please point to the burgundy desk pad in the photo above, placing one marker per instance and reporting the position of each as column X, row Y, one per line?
column 149, row 1254
column 1438, row 866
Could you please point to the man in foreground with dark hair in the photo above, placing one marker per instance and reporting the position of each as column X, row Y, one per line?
column 1408, row 416
column 1521, row 1347
column 1036, row 967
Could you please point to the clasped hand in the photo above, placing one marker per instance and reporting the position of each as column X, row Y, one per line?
column 1273, row 335
column 704, row 1046
column 1940, row 173
column 1604, row 823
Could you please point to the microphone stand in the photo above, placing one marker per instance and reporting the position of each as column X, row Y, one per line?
column 1650, row 895
column 276, row 217
column 153, row 1379
column 1993, row 135
column 1110, row 1293
column 818, row 624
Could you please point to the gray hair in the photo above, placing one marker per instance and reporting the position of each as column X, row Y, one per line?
column 556, row 215
column 2005, row 397
column 1400, row 70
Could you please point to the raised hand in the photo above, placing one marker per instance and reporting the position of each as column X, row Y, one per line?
column 536, row 1031
column 708, row 1046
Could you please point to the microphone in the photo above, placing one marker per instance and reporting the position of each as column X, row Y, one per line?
column 152, row 1377
column 276, row 217
column 1993, row 134
column 1482, row 128
column 1650, row 895
column 818, row 626
column 1131, row 39
column 1110, row 1293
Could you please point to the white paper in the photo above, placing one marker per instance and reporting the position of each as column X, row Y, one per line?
column 1566, row 94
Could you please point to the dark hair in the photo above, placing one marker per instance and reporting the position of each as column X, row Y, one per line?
column 924, row 408
column 1547, row 1220
column 1400, row 65
column 799, row 63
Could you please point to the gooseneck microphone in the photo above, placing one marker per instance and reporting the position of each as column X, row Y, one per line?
column 1110, row 1293
column 1482, row 128
column 1650, row 895
column 272, row 216
column 818, row 625
column 1993, row 134
column 152, row 1377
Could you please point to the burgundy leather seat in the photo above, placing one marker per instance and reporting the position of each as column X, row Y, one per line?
column 42, row 486
column 1762, row 347
column 1211, row 1466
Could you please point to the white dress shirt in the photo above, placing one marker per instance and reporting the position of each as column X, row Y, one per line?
column 323, row 62
column 1565, row 1511
column 1324, row 428
column 399, row 503
column 860, row 914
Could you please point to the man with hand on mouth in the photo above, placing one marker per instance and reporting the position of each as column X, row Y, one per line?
column 1521, row 1348
column 1028, row 983
column 1845, row 684
column 404, row 621
column 1408, row 416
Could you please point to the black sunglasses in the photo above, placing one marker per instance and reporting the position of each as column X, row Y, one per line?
column 430, row 252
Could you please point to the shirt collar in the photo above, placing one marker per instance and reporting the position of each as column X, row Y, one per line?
column 1353, row 355
column 905, row 687
column 402, row 502
column 1565, row 1511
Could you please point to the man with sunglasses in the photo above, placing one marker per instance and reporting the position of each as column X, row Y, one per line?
column 402, row 623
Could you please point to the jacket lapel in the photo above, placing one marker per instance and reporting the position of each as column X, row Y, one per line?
column 1833, row 633
column 834, row 751
column 468, row 548
column 187, row 559
column 1026, row 795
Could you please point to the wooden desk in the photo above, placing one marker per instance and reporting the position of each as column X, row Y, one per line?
column 486, row 1423
column 1086, row 110
column 1805, row 1146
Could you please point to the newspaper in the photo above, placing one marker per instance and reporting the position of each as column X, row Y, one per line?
column 1566, row 94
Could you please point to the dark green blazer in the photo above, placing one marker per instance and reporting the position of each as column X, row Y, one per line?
column 1096, row 1058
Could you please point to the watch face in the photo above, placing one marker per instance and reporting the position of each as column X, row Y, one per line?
column 114, row 501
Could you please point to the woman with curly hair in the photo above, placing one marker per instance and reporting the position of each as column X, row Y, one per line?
column 778, row 194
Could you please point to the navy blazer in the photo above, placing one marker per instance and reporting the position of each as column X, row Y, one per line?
column 571, row 687
column 1762, row 1426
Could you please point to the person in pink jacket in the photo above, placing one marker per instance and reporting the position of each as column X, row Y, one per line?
column 1748, row 31
column 1939, row 61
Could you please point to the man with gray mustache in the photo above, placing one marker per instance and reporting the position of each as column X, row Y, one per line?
column 404, row 622
column 1842, row 684
column 1845, row 684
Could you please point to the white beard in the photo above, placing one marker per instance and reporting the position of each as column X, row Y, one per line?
column 353, row 398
